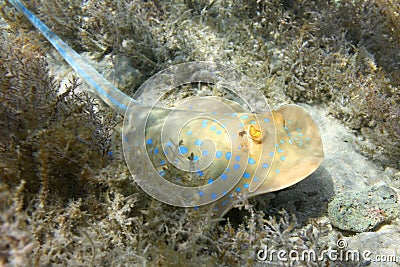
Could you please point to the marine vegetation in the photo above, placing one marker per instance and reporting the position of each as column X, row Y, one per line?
column 343, row 54
column 65, row 195
column 45, row 134
column 245, row 147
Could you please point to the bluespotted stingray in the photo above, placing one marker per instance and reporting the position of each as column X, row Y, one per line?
column 205, row 150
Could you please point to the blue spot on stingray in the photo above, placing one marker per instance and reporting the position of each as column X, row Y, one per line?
column 189, row 132
column 271, row 154
column 238, row 189
column 281, row 141
column 183, row 150
column 266, row 120
column 200, row 173
column 218, row 132
column 213, row 128
column 246, row 175
column 196, row 158
column 255, row 179
column 253, row 122
column 300, row 134
column 149, row 142
column 162, row 172
column 251, row 161
column 156, row 150
column 162, row 162
column 196, row 208
column 110, row 153
column 246, row 185
column 308, row 139
column 283, row 158
column 204, row 121
column 285, row 127
column 228, row 155
column 265, row 165
column 201, row 193
column 244, row 117
column 224, row 202
column 236, row 166
column 280, row 150
column 276, row 145
column 205, row 152
column 224, row 192
column 210, row 181
column 277, row 171
column 237, row 158
column 224, row 177
column 233, row 114
column 169, row 144
column 203, row 125
column 213, row 196
column 218, row 154
column 198, row 142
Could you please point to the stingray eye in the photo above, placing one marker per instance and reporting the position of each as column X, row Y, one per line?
column 254, row 133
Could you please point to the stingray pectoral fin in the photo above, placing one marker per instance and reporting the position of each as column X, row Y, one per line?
column 298, row 153
column 210, row 104
column 299, row 149
column 299, row 170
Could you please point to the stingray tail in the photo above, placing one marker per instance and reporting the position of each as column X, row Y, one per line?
column 101, row 87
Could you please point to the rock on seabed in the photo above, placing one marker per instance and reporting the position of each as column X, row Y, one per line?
column 364, row 210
